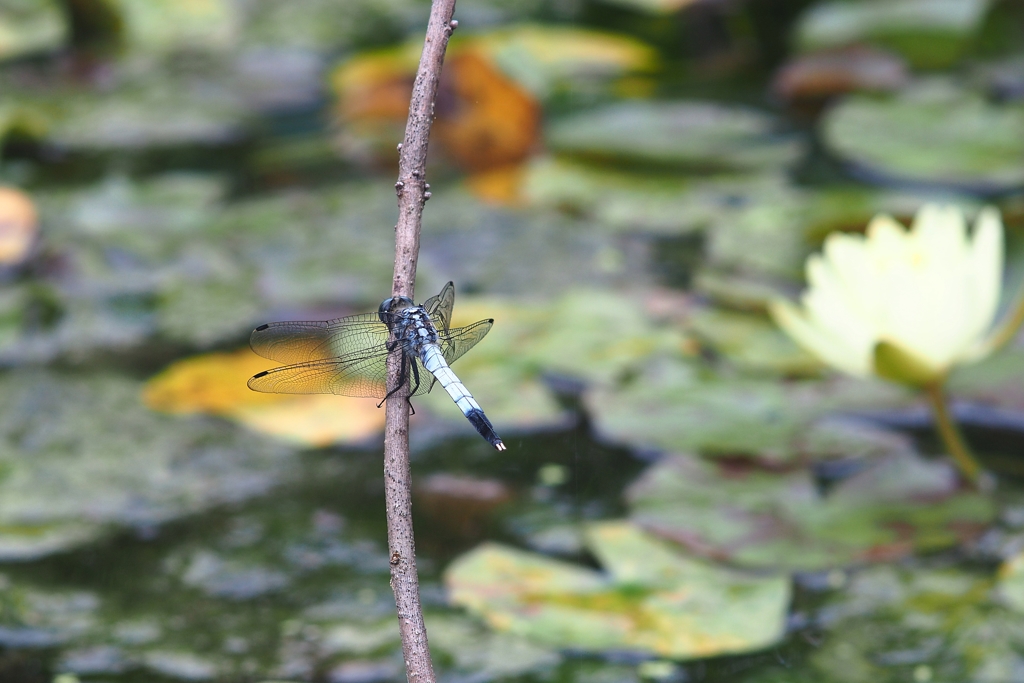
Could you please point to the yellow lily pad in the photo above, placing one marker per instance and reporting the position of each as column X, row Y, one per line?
column 652, row 599
column 215, row 383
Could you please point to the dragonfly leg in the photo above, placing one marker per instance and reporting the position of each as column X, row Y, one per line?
column 415, row 378
column 402, row 377
column 415, row 384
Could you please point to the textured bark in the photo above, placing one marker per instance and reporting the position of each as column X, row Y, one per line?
column 413, row 193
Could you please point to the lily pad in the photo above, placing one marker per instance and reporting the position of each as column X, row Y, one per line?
column 82, row 456
column 620, row 200
column 935, row 133
column 137, row 116
column 895, row 506
column 682, row 406
column 556, row 60
column 929, row 33
column 529, row 340
column 653, row 6
column 752, row 343
column 143, row 106
column 168, row 26
column 666, row 604
column 685, row 134
column 30, row 26
column 216, row 384
column 997, row 381
column 169, row 257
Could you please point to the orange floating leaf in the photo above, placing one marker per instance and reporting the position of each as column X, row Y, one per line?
column 215, row 383
column 484, row 119
column 19, row 224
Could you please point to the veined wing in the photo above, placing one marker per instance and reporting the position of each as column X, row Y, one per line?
column 301, row 342
column 462, row 339
column 439, row 308
column 360, row 374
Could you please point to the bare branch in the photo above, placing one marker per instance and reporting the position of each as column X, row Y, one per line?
column 412, row 191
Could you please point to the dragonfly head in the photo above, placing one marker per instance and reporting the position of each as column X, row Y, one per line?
column 393, row 305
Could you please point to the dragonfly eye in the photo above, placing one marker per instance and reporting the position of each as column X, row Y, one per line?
column 392, row 304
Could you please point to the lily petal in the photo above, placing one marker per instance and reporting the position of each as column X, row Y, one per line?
column 822, row 343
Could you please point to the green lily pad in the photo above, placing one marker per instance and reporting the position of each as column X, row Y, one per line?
column 653, row 598
column 617, row 199
column 323, row 25
column 997, row 381
column 139, row 116
column 929, row 33
column 691, row 135
column 608, row 334
column 752, row 343
column 528, row 340
column 757, row 518
column 528, row 253
column 765, row 227
column 168, row 26
column 674, row 405
column 935, row 132
column 80, row 456
column 558, row 60
column 146, row 105
column 29, row 26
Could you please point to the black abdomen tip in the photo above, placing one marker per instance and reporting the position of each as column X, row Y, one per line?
column 484, row 427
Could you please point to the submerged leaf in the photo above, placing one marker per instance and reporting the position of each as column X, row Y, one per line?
column 894, row 621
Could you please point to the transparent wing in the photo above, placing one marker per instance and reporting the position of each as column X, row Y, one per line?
column 361, row 375
column 458, row 341
column 439, row 308
column 301, row 342
column 462, row 339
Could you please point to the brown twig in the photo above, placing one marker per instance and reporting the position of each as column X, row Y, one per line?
column 413, row 193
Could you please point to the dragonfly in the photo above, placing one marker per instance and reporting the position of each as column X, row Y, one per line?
column 348, row 356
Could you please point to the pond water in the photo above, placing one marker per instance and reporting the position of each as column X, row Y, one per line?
column 624, row 186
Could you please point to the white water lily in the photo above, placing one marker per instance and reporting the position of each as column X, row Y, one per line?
column 905, row 305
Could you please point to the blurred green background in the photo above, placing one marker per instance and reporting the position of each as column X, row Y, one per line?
column 622, row 185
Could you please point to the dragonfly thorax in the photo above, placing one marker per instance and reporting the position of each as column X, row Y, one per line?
column 413, row 328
